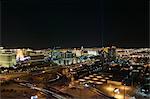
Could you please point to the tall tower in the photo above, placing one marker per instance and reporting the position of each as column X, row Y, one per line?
column 100, row 20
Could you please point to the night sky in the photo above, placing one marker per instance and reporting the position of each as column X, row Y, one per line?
column 73, row 23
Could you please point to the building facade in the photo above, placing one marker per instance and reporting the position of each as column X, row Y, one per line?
column 7, row 59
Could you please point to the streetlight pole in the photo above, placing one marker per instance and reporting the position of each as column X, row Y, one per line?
column 124, row 91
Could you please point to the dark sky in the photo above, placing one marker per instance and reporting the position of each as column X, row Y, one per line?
column 72, row 23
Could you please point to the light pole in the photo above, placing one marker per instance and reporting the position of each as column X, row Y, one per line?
column 124, row 91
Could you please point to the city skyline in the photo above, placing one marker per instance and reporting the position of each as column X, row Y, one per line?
column 75, row 23
column 74, row 49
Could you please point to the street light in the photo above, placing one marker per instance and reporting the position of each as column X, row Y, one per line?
column 116, row 91
column 124, row 91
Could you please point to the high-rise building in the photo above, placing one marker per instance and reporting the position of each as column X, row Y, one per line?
column 7, row 59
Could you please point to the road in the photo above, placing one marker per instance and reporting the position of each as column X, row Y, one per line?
column 44, row 91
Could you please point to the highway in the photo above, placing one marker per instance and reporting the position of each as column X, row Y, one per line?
column 44, row 91
column 57, row 77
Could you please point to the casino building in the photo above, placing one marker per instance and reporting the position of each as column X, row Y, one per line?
column 7, row 59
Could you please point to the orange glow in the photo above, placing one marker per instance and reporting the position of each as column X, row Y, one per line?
column 99, row 76
column 125, row 87
column 19, row 54
column 110, row 88
column 99, row 83
column 94, row 79
column 119, row 96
